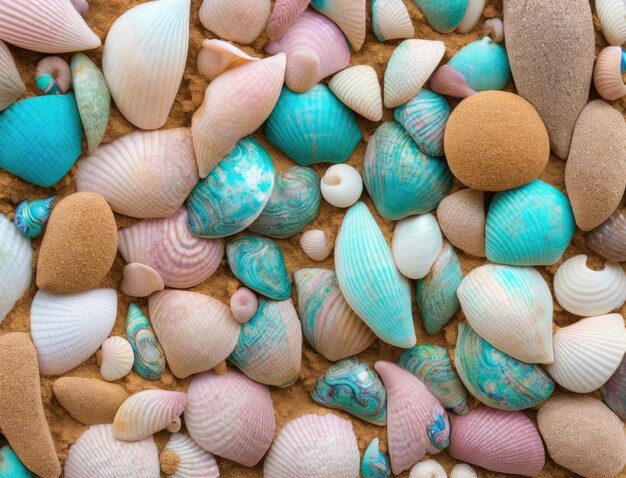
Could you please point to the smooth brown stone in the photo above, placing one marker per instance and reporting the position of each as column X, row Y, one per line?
column 462, row 217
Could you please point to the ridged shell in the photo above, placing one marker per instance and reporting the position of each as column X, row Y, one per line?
column 277, row 361
column 588, row 352
column 217, row 56
column 428, row 469
column 614, row 391
column 462, row 217
column 314, row 446
column 609, row 238
column 243, row 304
column 53, row 76
column 10, row 464
column 358, row 88
column 241, row 21
column 341, row 185
column 16, row 271
column 316, row 245
column 230, row 416
column 416, row 243
column 142, row 174
column 370, row 281
column 451, row 82
column 195, row 330
column 391, row 20
column 149, row 358
column 140, row 280
column 399, row 177
column 607, row 74
column 67, row 329
column 117, row 358
column 612, row 15
column 375, row 464
column 31, row 216
column 11, row 85
column 443, row 15
column 472, row 15
column 495, row 378
column 494, row 27
column 462, row 470
column 81, row 6
column 349, row 15
column 284, row 14
column 191, row 460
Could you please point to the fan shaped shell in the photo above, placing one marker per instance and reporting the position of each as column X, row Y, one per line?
column 391, row 20
column 140, row 280
column 358, row 88
column 16, row 269
column 192, row 460
column 117, row 358
column 472, row 15
column 241, row 21
column 349, row 15
column 443, row 15
column 612, row 15
column 428, row 469
column 11, row 85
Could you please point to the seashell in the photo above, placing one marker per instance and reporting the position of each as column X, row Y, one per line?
column 588, row 352
column 329, row 325
column 276, row 326
column 31, row 216
column 11, row 85
column 505, row 442
column 375, row 464
column 10, row 464
column 607, row 74
column 416, row 244
column 315, row 48
column 393, row 162
column 146, row 413
column 93, row 99
column 495, row 378
column 52, row 125
column 31, row 27
column 68, row 328
column 81, row 6
column 450, row 81
column 175, row 426
column 444, row 16
column 364, row 264
column 316, row 245
column 241, row 21
column 431, row 364
column 391, row 20
column 235, row 104
column 217, row 56
column 416, row 422
column 608, row 238
column 410, row 65
column 184, row 458
column 259, row 263
column 341, row 185
column 612, row 16
column 294, row 203
column 195, row 330
column 231, row 416
column 140, row 280
column 511, row 308
column 472, row 15
column 53, row 75
column 142, row 174
column 358, row 88
column 117, row 358
column 530, row 225
column 463, row 470
column 149, row 358
column 349, row 15
column 144, row 85
column 97, row 449
column 614, row 390
column 314, row 445
column 494, row 28
column 313, row 127
column 243, row 305
column 16, row 271
column 461, row 216
column 428, row 469
column 436, row 296
column 284, row 14
column 353, row 387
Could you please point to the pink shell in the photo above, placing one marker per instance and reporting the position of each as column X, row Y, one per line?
column 449, row 81
column 607, row 74
column 244, row 304
column 284, row 14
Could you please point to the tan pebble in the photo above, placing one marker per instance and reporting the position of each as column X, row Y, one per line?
column 169, row 461
column 462, row 217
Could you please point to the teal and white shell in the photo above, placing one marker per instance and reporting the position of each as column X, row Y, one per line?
column 149, row 357
column 443, row 15
column 31, row 216
column 375, row 464
column 484, row 64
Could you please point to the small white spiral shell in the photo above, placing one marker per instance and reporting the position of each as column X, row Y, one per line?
column 244, row 304
column 316, row 244
column 341, row 185
column 428, row 469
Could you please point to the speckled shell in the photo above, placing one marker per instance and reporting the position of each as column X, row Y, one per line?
column 117, row 358
column 10, row 464
column 243, row 304
column 614, row 391
column 416, row 243
column 241, row 21
column 607, row 74
column 341, row 185
column 11, row 85
column 428, row 469
column 193, row 461
column 149, row 359
column 609, row 238
column 53, row 76
column 349, row 15
column 443, row 15
column 217, row 56
column 316, row 245
column 391, row 20
column 612, row 16
column 375, row 464
column 284, row 14
column 31, row 216
column 495, row 378
column 462, row 217
column 358, row 88
column 140, row 280
column 16, row 271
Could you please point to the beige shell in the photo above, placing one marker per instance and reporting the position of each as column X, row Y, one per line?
column 607, row 74
column 428, row 469
column 184, row 458
column 217, row 56
column 461, row 216
column 117, row 358
column 140, row 280
column 358, row 88
column 316, row 244
column 241, row 21
column 494, row 28
column 463, row 470
column 349, row 15
column 391, row 20
column 612, row 15
column 11, row 85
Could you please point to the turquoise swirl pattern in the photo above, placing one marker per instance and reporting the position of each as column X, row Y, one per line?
column 31, row 216
column 149, row 357
column 484, row 64
column 375, row 464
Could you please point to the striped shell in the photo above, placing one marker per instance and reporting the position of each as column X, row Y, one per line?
column 607, row 74
column 140, row 280
column 16, row 269
column 117, row 358
column 428, row 469
column 341, row 185
column 184, row 458
column 11, row 85
column 612, row 15
column 243, row 305
column 316, row 245
column 462, row 218
column 349, row 15
column 241, row 21
column 149, row 361
column 391, row 20
column 609, row 238
column 217, row 56
column 443, row 15
column 358, row 88
column 472, row 15
column 284, row 14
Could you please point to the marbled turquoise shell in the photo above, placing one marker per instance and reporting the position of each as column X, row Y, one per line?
column 31, row 216
column 234, row 193
column 313, row 127
column 431, row 364
column 375, row 464
column 10, row 464
column 354, row 387
column 293, row 204
column 149, row 357
column 495, row 378
column 399, row 177
column 484, row 65
column 614, row 391
column 443, row 15
column 530, row 225
column 259, row 263
column 42, row 137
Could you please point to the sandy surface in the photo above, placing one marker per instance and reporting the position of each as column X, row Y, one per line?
column 294, row 401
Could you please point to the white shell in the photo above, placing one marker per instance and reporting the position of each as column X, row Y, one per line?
column 588, row 352
column 243, row 304
column 463, row 470
column 494, row 27
column 144, row 60
column 472, row 16
column 391, row 20
column 349, row 15
column 140, row 280
column 117, row 358
column 428, row 469
column 612, row 15
column 11, row 85
column 358, row 88
column 316, row 244
column 67, row 329
column 16, row 271
column 194, row 462
column 585, row 292
column 415, row 245
column 241, row 21
column 217, row 56
column 341, row 185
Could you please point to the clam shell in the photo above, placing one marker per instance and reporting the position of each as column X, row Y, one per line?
column 341, row 185
column 231, row 416
column 609, row 238
column 588, row 352
column 358, row 88
column 284, row 14
column 314, row 445
column 142, row 174
column 16, row 271
column 117, row 358
column 67, row 329
column 375, row 464
column 31, row 216
column 391, row 20
column 140, row 280
column 241, row 21
column 443, row 15
column 451, row 82
column 149, row 358
column 416, row 243
column 472, row 15
column 612, row 16
column 614, row 390
column 10, row 464
column 316, row 245
column 462, row 470
column 191, row 461
column 494, row 27
column 461, row 216
column 370, row 281
column 11, row 85
column 53, row 76
column 217, row 56
column 349, row 15
column 428, row 469
column 607, row 74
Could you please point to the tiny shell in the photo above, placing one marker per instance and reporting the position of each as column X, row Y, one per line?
column 11, row 85
column 117, row 358
column 284, row 14
column 472, row 15
column 31, row 216
column 609, row 238
column 391, row 20
column 241, row 21
column 349, row 15
column 494, row 28
column 428, row 469
column 443, row 15
column 10, row 464
column 341, row 185
column 243, row 305
column 16, row 269
column 462, row 217
column 375, row 464
column 53, row 76
column 416, row 243
column 184, row 458
column 316, row 245
column 358, row 88
column 612, row 15
column 607, row 74
column 217, row 56
column 614, row 391
column 140, row 280
column 463, row 470
column 149, row 361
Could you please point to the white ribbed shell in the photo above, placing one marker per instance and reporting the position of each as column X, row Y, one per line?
column 428, row 469
column 241, row 21
column 612, row 15
column 16, row 271
column 194, row 461
column 117, row 358
column 358, row 88
column 316, row 244
column 140, row 280
column 341, row 185
column 391, row 20
column 416, row 243
column 11, row 85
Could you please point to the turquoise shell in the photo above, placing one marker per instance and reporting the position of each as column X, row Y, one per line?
column 436, row 293
column 425, row 117
column 149, row 357
column 614, row 391
column 294, row 203
column 313, row 127
column 484, row 64
column 10, row 464
column 354, row 387
column 31, row 216
column 375, row 464
column 443, row 15
column 431, row 364
column 259, row 263
column 399, row 177
column 495, row 378
column 42, row 137
column 235, row 192
column 530, row 225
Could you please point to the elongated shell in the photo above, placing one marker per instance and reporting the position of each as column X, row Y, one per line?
column 31, row 216
column 607, row 74
column 349, row 15
column 428, row 469
column 443, row 16
column 462, row 217
column 341, row 185
column 117, row 358
column 314, row 445
column 284, row 14
column 140, row 280
column 609, row 238
column 375, row 464
column 10, row 464
column 358, row 88
column 416, row 243
column 184, row 458
column 11, row 85
column 149, row 359
column 612, row 15
column 16, row 270
column 217, row 56
column 316, row 244
column 241, row 21
column 231, row 416
column 614, row 390
column 391, row 20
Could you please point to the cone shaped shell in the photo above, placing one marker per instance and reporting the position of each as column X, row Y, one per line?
column 449, row 81
column 117, row 358
column 217, row 56
column 483, row 64
column 443, row 16
column 375, row 464
column 284, row 14
column 349, row 15
column 462, row 217
column 607, row 74
column 391, row 20
column 614, row 391
column 140, row 280
column 612, row 16
column 241, row 21
column 416, row 243
column 192, row 460
column 358, row 88
column 609, row 238
column 149, row 357
column 428, row 469
column 316, row 245
column 16, row 269
column 11, row 85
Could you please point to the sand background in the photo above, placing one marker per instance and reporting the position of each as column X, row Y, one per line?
column 294, row 401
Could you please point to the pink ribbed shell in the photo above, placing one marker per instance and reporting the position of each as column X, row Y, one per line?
column 284, row 14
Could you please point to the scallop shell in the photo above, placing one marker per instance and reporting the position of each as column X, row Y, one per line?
column 607, row 74
column 391, row 20
column 462, row 470
column 494, row 28
column 11, row 85
column 375, row 464
column 588, row 352
column 316, row 245
column 609, row 238
column 462, row 218
column 142, row 174
column 149, row 358
column 53, row 76
column 329, row 325
column 472, row 15
column 140, row 280
column 195, row 330
column 243, row 305
column 614, row 391
column 428, row 469
column 277, row 362
column 16, row 269
column 349, row 15
column 416, row 244
column 10, row 464
column 117, row 358
column 190, row 460
column 68, row 328
column 341, row 185
column 358, row 88
column 144, row 84
column 217, row 56
column 230, row 416
column 370, row 281
column 443, row 15
column 314, row 445
column 241, row 21
column 612, row 15
column 284, row 14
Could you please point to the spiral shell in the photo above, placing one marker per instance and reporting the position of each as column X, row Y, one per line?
column 31, row 216
column 284, row 14
column 609, row 238
column 612, row 15
column 53, row 75
column 461, row 216
column 11, row 85
column 607, row 74
column 494, row 28
column 316, row 245
column 117, row 358
column 349, row 15
column 415, row 245
column 184, row 458
column 428, row 469
column 149, row 361
column 341, row 185
column 358, row 88
column 391, row 20
column 217, row 56
column 375, row 464
column 241, row 21
column 243, row 305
